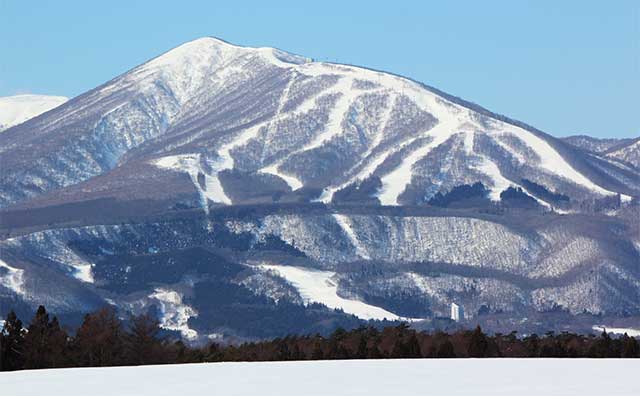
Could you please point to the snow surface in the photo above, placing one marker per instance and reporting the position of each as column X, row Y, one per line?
column 629, row 154
column 318, row 286
column 17, row 109
column 500, row 183
column 190, row 164
column 552, row 161
column 50, row 246
column 345, row 224
column 13, row 279
column 522, row 377
column 450, row 116
column 396, row 181
column 175, row 314
column 187, row 67
column 293, row 182
column 339, row 113
column 618, row 330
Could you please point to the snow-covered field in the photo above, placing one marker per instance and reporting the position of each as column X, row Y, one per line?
column 522, row 377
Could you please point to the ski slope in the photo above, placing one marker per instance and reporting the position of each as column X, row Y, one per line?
column 12, row 278
column 522, row 377
column 317, row 286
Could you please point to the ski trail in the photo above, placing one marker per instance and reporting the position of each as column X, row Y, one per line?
column 345, row 223
column 396, row 181
column 327, row 193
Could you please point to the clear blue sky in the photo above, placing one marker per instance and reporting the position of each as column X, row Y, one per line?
column 565, row 67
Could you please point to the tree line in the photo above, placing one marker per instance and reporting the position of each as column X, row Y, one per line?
column 103, row 339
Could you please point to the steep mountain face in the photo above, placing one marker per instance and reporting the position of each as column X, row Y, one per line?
column 231, row 188
column 17, row 109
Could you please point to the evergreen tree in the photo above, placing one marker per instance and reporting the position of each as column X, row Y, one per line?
column 362, row 347
column 413, row 346
column 336, row 347
column 58, row 345
column 445, row 350
column 532, row 344
column 478, row 344
column 283, row 350
column 12, row 350
column 630, row 347
column 317, row 353
column 99, row 341
column 602, row 347
column 45, row 343
column 2, row 350
column 552, row 348
column 36, row 340
column 297, row 354
column 215, row 353
column 431, row 352
column 398, row 350
column 142, row 343
column 406, row 346
column 373, row 351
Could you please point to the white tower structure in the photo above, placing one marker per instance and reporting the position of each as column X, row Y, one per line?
column 457, row 312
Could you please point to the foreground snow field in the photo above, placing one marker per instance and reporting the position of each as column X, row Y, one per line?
column 354, row 377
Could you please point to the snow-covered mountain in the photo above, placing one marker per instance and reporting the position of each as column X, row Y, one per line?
column 217, row 182
column 225, row 115
column 19, row 108
column 593, row 144
column 624, row 151
column 628, row 152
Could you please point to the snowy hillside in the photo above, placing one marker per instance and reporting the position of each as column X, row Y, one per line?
column 625, row 151
column 372, row 265
column 525, row 377
column 224, row 187
column 629, row 153
column 19, row 108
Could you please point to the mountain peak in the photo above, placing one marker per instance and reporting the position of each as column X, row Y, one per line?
column 186, row 68
column 19, row 108
column 215, row 49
